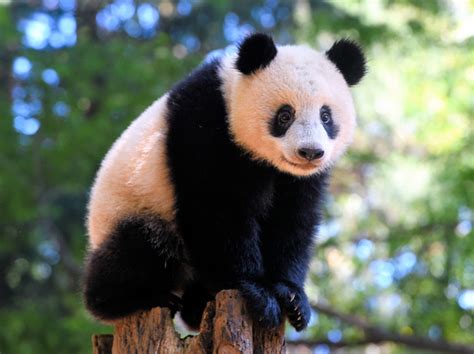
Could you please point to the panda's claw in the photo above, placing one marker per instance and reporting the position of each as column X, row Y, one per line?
column 295, row 303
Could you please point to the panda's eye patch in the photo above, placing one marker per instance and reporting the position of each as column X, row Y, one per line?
column 328, row 123
column 285, row 114
column 325, row 114
column 282, row 120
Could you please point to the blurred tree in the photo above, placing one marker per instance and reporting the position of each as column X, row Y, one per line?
column 397, row 247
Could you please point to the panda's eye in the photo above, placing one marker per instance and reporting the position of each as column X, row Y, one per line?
column 282, row 120
column 285, row 115
column 325, row 114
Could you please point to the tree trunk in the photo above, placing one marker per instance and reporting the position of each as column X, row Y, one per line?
column 225, row 328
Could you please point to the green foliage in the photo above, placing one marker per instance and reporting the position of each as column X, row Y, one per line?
column 397, row 246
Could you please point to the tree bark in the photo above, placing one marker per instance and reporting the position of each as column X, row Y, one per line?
column 102, row 343
column 226, row 328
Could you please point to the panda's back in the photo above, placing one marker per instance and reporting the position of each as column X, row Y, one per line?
column 133, row 177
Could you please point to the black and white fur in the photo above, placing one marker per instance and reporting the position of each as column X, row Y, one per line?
column 219, row 184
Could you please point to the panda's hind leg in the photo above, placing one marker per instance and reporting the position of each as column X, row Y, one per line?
column 136, row 268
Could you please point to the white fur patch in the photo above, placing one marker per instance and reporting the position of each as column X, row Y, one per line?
column 134, row 176
column 306, row 80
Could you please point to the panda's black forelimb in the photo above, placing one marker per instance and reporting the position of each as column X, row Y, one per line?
column 287, row 241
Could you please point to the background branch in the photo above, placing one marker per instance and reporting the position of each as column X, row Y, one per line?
column 374, row 334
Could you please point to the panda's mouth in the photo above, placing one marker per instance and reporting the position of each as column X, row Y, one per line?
column 304, row 166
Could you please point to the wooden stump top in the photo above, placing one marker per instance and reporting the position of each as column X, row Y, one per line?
column 226, row 328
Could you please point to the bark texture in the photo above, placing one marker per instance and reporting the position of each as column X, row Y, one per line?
column 226, row 328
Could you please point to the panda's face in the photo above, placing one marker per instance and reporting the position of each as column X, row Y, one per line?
column 296, row 111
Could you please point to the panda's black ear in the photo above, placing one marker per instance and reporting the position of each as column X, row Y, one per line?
column 349, row 59
column 255, row 52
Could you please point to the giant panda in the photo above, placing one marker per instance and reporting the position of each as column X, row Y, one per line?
column 219, row 184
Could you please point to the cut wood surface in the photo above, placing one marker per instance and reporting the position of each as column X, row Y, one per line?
column 225, row 328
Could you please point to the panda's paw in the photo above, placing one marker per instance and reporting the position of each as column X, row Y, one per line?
column 294, row 303
column 262, row 304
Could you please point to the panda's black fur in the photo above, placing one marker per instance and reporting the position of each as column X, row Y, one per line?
column 132, row 267
column 255, row 53
column 240, row 223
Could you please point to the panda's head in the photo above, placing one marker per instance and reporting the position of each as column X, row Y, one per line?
column 291, row 105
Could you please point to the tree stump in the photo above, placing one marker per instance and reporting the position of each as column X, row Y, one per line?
column 226, row 328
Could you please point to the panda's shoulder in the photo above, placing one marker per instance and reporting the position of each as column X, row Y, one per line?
column 196, row 112
column 200, row 87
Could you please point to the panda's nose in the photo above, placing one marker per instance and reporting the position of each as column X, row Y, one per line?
column 310, row 153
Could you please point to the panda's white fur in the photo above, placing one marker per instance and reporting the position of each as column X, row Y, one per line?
column 134, row 176
column 303, row 78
